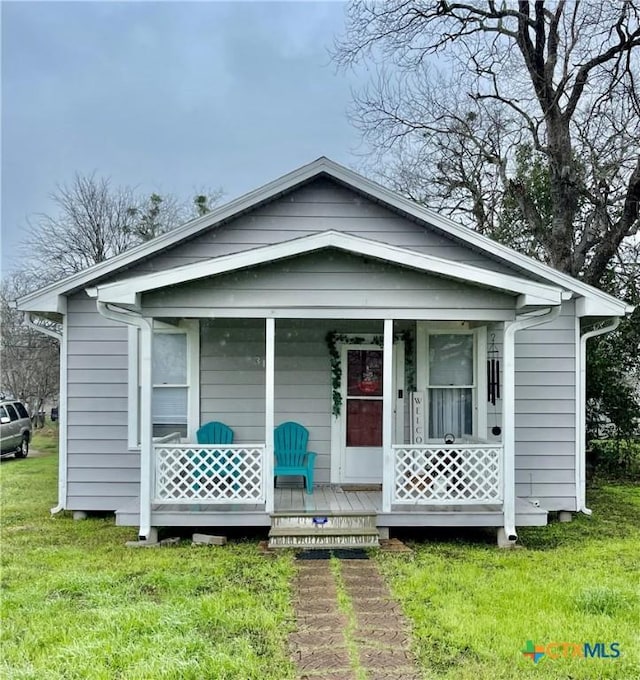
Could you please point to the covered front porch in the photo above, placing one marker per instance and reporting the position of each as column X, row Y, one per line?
column 256, row 355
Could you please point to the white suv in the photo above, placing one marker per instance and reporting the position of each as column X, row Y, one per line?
column 15, row 429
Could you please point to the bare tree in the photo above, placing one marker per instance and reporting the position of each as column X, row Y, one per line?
column 95, row 221
column 536, row 104
column 29, row 368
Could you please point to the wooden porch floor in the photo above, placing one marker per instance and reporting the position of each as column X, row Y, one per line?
column 327, row 498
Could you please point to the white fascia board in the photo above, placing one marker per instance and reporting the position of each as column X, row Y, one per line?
column 529, row 300
column 127, row 292
column 591, row 307
column 51, row 302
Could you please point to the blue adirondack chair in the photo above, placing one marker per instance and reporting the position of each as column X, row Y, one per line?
column 212, row 433
column 292, row 457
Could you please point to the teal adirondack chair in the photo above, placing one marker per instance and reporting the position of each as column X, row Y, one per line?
column 292, row 457
column 215, row 433
column 212, row 433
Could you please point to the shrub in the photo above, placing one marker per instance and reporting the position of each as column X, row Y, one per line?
column 615, row 458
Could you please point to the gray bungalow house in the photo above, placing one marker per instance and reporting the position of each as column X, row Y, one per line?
column 440, row 375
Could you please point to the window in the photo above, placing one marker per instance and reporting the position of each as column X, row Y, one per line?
column 12, row 412
column 175, row 401
column 22, row 411
column 449, row 376
column 450, row 385
column 170, row 401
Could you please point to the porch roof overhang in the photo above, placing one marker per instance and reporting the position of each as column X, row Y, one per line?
column 528, row 293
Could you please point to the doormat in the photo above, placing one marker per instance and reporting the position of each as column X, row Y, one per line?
column 350, row 554
column 338, row 553
column 313, row 555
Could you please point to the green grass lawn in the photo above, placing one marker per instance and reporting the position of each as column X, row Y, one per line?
column 473, row 607
column 76, row 603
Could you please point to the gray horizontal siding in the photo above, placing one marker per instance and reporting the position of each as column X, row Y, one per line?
column 82, row 390
column 102, row 473
column 97, row 502
column 326, row 279
column 106, row 460
column 96, row 488
column 106, row 417
column 317, row 206
column 535, row 447
column 547, row 463
column 546, row 412
column 93, row 403
column 87, row 363
column 96, row 447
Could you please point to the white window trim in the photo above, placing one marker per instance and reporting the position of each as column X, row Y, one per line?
column 190, row 327
column 479, row 390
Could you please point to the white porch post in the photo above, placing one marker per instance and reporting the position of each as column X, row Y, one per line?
column 508, row 431
column 387, row 417
column 269, row 407
column 146, row 430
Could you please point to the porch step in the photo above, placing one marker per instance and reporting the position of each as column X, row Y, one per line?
column 323, row 521
column 309, row 531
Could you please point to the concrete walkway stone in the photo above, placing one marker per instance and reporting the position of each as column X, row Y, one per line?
column 371, row 641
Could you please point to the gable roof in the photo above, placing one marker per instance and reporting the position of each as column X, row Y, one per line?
column 127, row 292
column 46, row 299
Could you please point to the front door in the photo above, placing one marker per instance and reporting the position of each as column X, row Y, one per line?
column 361, row 414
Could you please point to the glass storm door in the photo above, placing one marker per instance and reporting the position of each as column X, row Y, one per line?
column 362, row 414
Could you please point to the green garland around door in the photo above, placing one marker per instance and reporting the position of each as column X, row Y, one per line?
column 333, row 339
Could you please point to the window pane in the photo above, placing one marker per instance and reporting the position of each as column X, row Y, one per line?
column 12, row 412
column 364, row 422
column 169, row 405
column 450, row 410
column 364, row 373
column 451, row 359
column 22, row 411
column 3, row 412
column 169, row 358
column 165, row 429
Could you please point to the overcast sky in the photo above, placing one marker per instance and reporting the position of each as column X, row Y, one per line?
column 168, row 97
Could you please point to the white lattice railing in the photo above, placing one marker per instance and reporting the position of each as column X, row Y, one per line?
column 447, row 474
column 188, row 473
